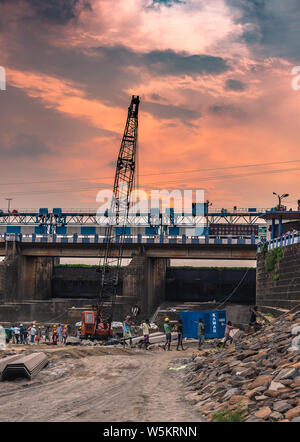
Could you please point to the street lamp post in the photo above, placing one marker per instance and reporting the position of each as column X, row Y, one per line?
column 280, row 198
column 207, row 204
column 8, row 204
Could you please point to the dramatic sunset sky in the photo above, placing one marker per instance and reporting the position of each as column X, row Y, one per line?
column 217, row 111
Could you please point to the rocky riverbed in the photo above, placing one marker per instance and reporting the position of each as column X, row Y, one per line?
column 261, row 372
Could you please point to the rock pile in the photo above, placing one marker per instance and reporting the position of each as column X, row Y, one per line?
column 261, row 372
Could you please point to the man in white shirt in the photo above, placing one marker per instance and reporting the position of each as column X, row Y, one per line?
column 17, row 334
column 32, row 334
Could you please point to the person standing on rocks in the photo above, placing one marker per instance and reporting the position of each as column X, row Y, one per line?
column 179, row 328
column 253, row 319
column 227, row 333
column 168, row 332
column 201, row 333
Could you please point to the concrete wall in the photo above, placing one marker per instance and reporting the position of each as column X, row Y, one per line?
column 285, row 292
column 201, row 285
column 9, row 270
column 75, row 282
column 36, row 275
column 52, row 311
column 25, row 277
column 144, row 281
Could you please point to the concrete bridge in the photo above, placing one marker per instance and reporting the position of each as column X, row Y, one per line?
column 154, row 247
column 27, row 271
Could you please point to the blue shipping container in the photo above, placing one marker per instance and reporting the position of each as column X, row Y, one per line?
column 214, row 323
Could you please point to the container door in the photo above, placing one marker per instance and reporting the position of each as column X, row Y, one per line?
column 221, row 323
column 190, row 324
column 207, row 324
column 194, row 320
column 185, row 323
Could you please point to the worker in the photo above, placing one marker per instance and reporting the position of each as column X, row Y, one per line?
column 22, row 329
column 17, row 334
column 127, row 330
column 25, row 336
column 227, row 333
column 253, row 319
column 8, row 335
column 168, row 333
column 65, row 334
column 201, row 333
column 146, row 328
column 12, row 331
column 38, row 334
column 47, row 334
column 32, row 333
column 179, row 327
column 59, row 332
column 54, row 337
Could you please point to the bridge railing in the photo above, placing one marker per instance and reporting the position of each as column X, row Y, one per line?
column 233, row 210
column 281, row 241
column 139, row 239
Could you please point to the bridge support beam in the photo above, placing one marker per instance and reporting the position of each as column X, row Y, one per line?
column 144, row 280
column 25, row 278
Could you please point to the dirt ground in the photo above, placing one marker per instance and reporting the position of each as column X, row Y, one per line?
column 100, row 384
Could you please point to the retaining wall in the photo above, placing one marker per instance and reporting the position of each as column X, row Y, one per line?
column 284, row 292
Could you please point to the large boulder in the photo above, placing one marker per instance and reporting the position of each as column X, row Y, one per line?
column 293, row 412
column 295, row 330
column 263, row 413
column 295, row 344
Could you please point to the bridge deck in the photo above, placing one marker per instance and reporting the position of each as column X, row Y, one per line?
column 173, row 248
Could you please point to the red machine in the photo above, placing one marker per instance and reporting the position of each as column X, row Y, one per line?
column 88, row 323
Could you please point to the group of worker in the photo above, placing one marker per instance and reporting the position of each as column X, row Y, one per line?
column 128, row 322
column 201, row 333
column 34, row 334
column 127, row 336
column 59, row 334
column 144, row 342
column 19, row 334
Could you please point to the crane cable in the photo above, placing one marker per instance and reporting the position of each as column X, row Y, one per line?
column 234, row 290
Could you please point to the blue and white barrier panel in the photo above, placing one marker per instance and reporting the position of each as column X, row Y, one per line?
column 138, row 239
column 281, row 241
